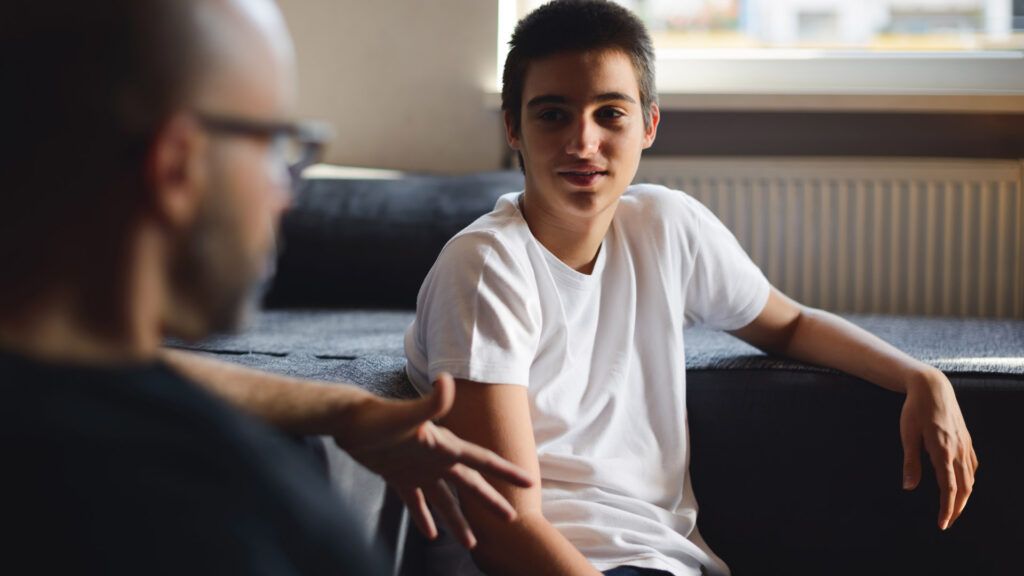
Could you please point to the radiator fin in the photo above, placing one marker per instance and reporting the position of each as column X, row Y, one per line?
column 912, row 236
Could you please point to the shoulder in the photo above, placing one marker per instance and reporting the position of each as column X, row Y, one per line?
column 495, row 242
column 655, row 202
column 148, row 419
column 166, row 458
column 663, row 215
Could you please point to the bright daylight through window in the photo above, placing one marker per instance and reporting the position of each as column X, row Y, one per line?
column 901, row 47
column 880, row 25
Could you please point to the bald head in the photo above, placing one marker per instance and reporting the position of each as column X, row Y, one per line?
column 248, row 58
column 95, row 81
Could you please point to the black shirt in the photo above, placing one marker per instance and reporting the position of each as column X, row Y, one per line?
column 135, row 470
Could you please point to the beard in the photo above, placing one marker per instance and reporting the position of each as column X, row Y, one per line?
column 216, row 283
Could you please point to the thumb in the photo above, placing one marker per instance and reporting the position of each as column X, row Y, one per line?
column 443, row 395
column 911, row 456
column 407, row 414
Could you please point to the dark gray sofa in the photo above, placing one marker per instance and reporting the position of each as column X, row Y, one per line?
column 797, row 470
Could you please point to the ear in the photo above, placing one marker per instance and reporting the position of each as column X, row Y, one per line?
column 651, row 130
column 511, row 133
column 175, row 171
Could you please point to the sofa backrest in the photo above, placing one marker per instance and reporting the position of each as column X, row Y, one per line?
column 368, row 243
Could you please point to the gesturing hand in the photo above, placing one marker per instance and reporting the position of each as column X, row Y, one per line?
column 931, row 417
column 397, row 440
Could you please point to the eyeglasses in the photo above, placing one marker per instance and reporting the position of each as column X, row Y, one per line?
column 300, row 144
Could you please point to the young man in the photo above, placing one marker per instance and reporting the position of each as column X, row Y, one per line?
column 561, row 316
column 141, row 195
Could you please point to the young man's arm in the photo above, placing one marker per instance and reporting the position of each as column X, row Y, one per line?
column 394, row 438
column 931, row 415
column 498, row 416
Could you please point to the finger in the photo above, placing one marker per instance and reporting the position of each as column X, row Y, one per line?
column 965, row 485
column 444, row 501
column 911, row 457
column 945, row 476
column 408, row 414
column 443, row 394
column 470, row 481
column 482, row 459
column 421, row 516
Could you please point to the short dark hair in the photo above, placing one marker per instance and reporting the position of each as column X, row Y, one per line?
column 577, row 26
column 87, row 86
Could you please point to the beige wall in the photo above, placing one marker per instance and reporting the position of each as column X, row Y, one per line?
column 402, row 81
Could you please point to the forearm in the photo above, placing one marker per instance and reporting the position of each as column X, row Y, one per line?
column 290, row 404
column 930, row 418
column 528, row 546
column 825, row 339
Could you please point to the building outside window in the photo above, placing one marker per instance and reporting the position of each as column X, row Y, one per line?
column 879, row 25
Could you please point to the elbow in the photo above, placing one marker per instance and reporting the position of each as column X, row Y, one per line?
column 788, row 333
column 497, row 541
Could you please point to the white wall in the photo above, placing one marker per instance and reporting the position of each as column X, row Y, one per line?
column 402, row 81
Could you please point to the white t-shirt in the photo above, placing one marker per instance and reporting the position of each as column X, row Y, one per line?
column 602, row 356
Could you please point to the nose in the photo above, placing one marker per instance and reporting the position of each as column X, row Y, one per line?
column 285, row 197
column 284, row 201
column 284, row 187
column 279, row 196
column 585, row 138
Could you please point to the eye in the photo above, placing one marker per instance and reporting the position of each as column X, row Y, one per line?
column 551, row 115
column 610, row 113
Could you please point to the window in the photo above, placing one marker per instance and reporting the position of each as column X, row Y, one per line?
column 828, row 47
column 879, row 25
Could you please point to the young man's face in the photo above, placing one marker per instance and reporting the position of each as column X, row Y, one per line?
column 582, row 131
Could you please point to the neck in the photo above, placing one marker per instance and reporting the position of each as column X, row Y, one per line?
column 56, row 330
column 574, row 241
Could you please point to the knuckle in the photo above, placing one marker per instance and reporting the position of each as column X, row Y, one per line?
column 424, row 434
column 945, row 440
column 459, row 471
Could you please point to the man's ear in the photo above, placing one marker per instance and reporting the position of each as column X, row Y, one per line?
column 651, row 130
column 511, row 131
column 175, row 171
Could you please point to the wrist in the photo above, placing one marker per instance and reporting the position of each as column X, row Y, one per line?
column 924, row 378
column 345, row 406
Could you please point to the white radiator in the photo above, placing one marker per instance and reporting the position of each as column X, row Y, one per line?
column 909, row 236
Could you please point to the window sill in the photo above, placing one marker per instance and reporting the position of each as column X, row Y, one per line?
column 845, row 102
column 939, row 102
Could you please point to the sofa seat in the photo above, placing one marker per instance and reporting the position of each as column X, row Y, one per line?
column 797, row 469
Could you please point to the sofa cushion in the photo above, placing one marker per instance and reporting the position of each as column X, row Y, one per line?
column 349, row 243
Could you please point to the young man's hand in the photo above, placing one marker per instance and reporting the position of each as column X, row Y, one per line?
column 398, row 440
column 931, row 418
column 931, row 415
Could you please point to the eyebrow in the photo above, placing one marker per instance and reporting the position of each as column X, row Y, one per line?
column 555, row 99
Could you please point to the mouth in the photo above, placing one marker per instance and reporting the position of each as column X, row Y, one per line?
column 582, row 178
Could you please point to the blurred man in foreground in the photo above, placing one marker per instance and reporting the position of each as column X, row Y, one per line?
column 142, row 185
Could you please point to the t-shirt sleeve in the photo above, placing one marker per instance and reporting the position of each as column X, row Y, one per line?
column 726, row 290
column 475, row 317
